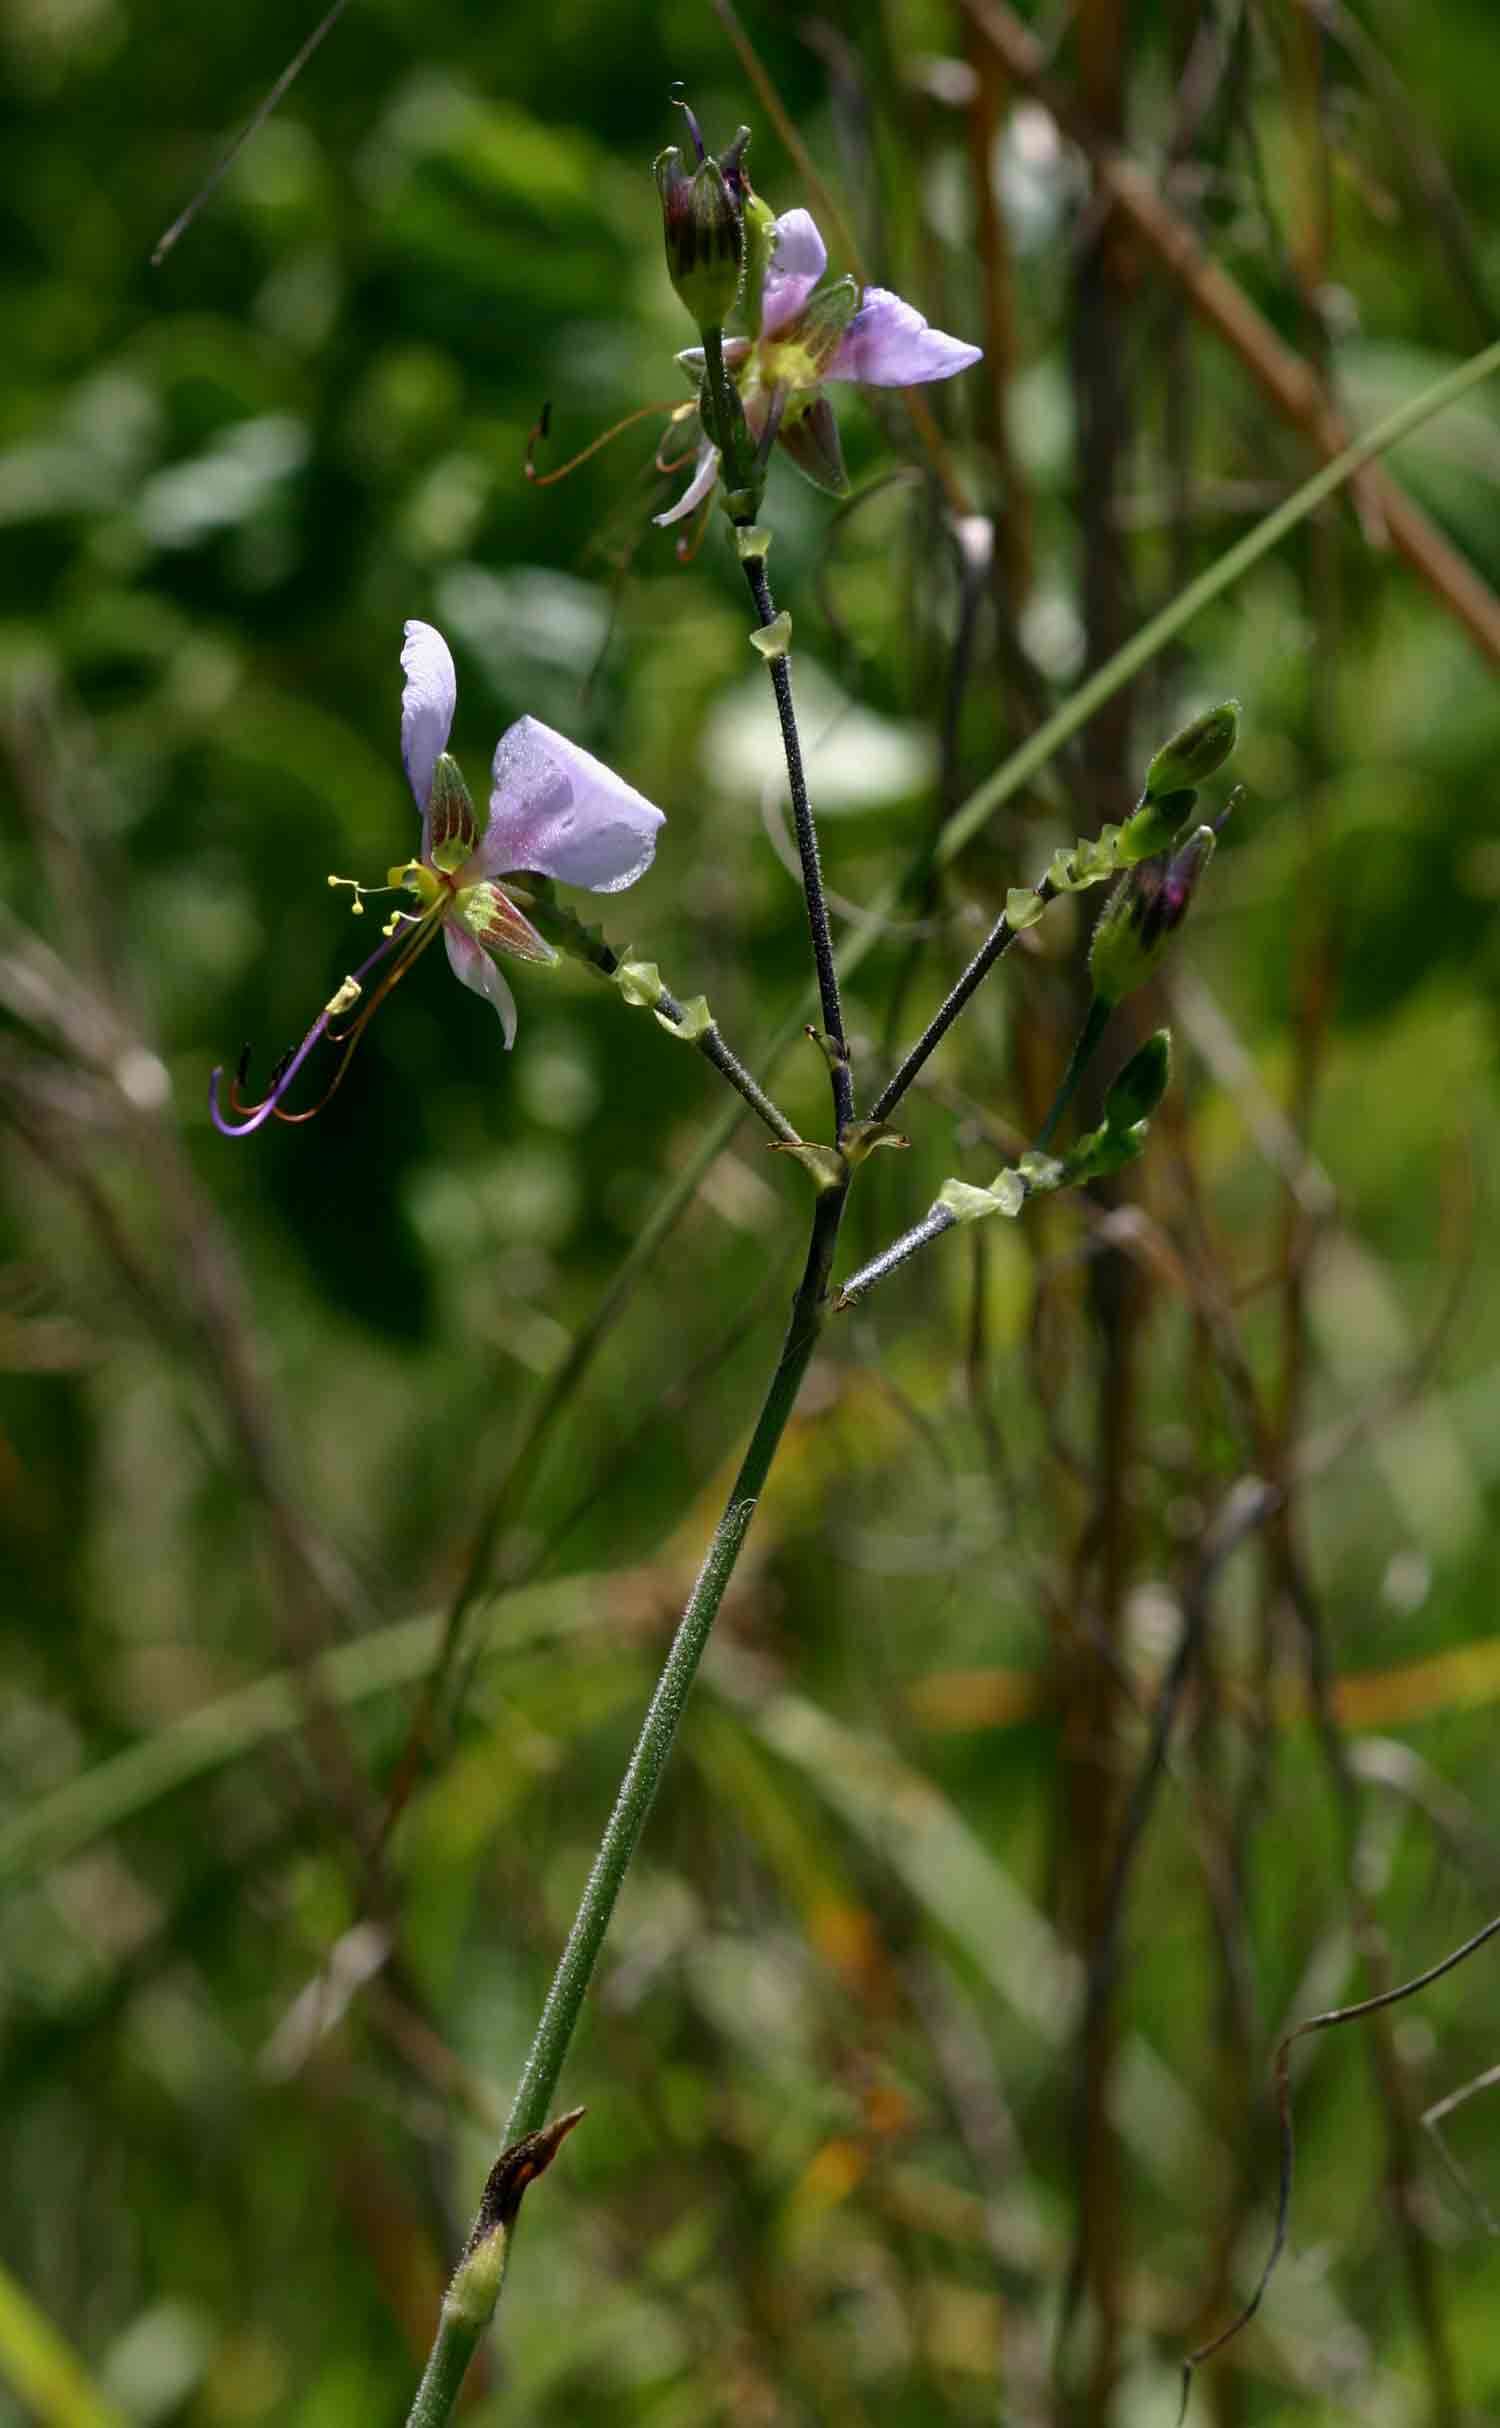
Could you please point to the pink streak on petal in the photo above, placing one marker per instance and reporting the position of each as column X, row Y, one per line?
column 473, row 968
column 427, row 705
column 705, row 473
column 557, row 809
column 889, row 345
column 797, row 264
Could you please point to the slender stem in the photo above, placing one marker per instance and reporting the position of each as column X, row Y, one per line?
column 712, row 1047
column 996, row 944
column 807, row 846
column 560, row 2014
column 938, row 1219
column 932, row 1226
column 467, row 2307
column 1084, row 1047
column 453, row 2348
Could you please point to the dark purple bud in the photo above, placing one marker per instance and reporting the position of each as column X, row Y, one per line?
column 1139, row 918
column 702, row 224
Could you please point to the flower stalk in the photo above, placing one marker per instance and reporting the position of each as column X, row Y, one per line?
column 559, row 2018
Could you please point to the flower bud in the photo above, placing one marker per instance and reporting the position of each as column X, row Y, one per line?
column 1196, row 752
column 702, row 223
column 1137, row 922
column 1153, row 826
column 1141, row 1085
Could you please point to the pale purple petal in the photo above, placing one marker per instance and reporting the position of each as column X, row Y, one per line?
column 427, row 705
column 798, row 262
column 473, row 968
column 889, row 345
column 705, row 473
column 565, row 814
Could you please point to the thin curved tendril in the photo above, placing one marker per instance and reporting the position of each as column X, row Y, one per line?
column 406, row 948
column 417, row 945
column 539, row 430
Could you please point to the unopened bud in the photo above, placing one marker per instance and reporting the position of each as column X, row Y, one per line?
column 1137, row 922
column 1154, row 826
column 1195, row 752
column 703, row 228
column 1141, row 1085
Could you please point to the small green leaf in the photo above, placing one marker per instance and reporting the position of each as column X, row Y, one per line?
column 640, row 984
column 773, row 640
column 862, row 1138
column 1023, row 907
column 1005, row 1195
column 826, row 1164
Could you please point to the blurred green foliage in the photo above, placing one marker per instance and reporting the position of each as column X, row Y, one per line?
column 257, row 1397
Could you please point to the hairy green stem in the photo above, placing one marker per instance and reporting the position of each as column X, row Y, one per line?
column 1085, row 1045
column 467, row 2307
column 559, row 2018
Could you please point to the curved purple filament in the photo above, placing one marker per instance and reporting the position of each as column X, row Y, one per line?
column 271, row 1101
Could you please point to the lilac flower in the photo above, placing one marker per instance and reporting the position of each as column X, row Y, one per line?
column 554, row 810
column 805, row 337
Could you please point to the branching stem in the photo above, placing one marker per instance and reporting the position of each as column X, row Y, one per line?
column 996, row 944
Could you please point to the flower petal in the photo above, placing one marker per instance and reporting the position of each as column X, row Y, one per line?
column 889, row 345
column 798, row 262
column 473, row 968
column 564, row 813
column 427, row 705
column 705, row 473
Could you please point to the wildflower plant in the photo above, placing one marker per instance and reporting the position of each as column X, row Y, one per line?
column 555, row 811
column 772, row 339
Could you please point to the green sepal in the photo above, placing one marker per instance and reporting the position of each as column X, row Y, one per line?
column 759, row 222
column 809, row 434
column 1196, row 752
column 1023, row 907
column 452, row 827
column 823, row 321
